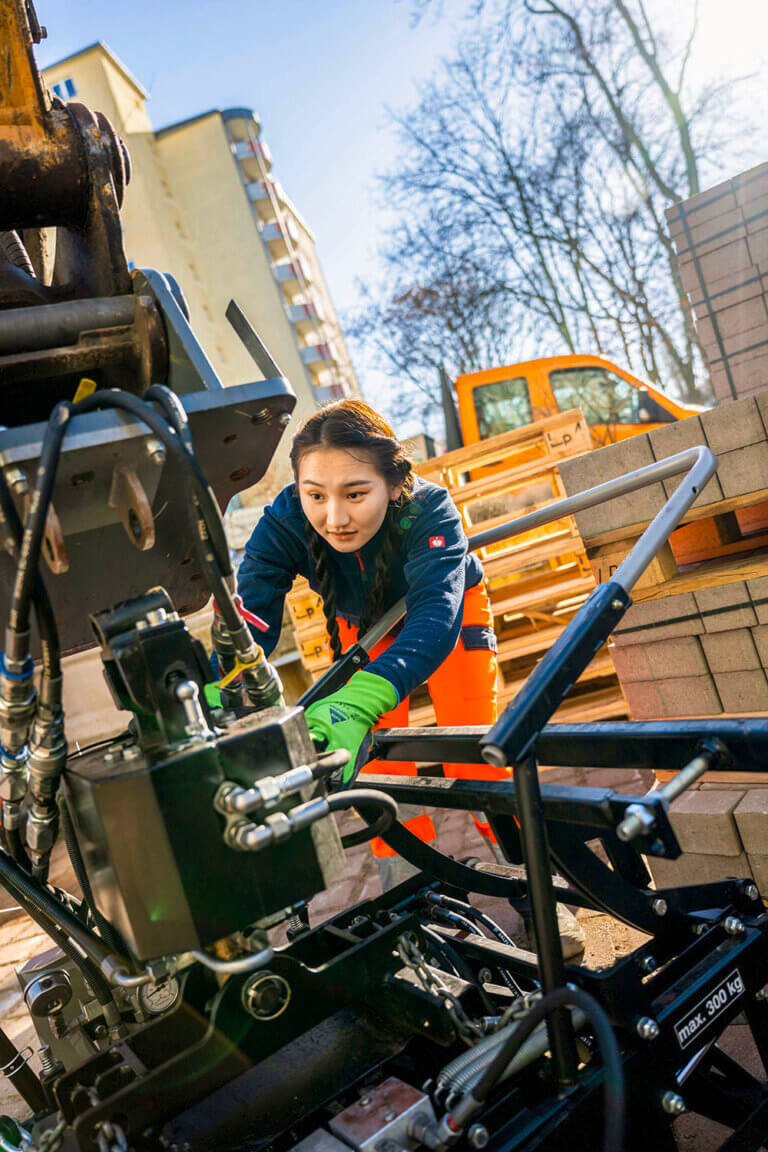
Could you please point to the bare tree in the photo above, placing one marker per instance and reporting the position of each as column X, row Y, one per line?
column 534, row 175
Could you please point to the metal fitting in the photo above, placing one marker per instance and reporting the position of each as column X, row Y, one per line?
column 648, row 964
column 733, row 926
column 17, row 480
column 659, row 906
column 646, row 1028
column 188, row 695
column 18, row 700
column 673, row 1104
column 762, row 993
column 478, row 1136
column 155, row 449
column 752, row 892
column 637, row 821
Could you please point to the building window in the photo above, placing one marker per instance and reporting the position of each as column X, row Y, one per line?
column 65, row 89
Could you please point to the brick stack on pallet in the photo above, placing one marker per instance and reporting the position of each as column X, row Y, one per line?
column 695, row 642
column 721, row 237
column 536, row 582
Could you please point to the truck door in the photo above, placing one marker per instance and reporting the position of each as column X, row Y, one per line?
column 614, row 408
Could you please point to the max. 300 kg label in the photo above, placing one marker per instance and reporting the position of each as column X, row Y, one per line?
column 709, row 1008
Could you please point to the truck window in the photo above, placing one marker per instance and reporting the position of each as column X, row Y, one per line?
column 603, row 397
column 501, row 406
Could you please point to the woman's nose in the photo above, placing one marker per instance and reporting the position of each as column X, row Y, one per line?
column 336, row 514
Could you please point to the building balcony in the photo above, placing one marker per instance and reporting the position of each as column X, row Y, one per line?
column 305, row 317
column 280, row 237
column 265, row 195
column 254, row 156
column 241, row 123
column 318, row 357
column 291, row 275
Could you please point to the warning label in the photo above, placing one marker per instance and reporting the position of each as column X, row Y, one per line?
column 709, row 1008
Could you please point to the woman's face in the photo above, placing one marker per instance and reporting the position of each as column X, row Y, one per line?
column 343, row 496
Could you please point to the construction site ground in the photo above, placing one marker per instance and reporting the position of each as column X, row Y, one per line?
column 606, row 938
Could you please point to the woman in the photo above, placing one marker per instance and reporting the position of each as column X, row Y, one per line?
column 366, row 531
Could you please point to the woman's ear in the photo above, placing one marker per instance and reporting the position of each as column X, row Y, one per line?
column 395, row 493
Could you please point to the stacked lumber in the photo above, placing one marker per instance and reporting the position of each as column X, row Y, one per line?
column 536, row 582
column 721, row 237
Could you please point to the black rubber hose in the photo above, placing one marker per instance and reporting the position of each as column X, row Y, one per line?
column 50, row 649
column 365, row 798
column 466, row 909
column 17, row 636
column 109, row 935
column 613, row 1069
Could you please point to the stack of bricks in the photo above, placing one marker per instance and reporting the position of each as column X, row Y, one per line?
column 695, row 642
column 721, row 237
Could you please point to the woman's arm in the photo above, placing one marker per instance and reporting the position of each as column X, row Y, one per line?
column 273, row 558
column 436, row 550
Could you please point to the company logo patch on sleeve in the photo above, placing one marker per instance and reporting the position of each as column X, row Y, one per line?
column 437, row 541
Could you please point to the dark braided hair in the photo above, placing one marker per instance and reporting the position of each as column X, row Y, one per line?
column 352, row 424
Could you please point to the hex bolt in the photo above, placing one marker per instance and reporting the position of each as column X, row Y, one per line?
column 365, row 1101
column 699, row 929
column 646, row 1028
column 648, row 964
column 155, row 449
column 752, row 892
column 733, row 926
column 390, row 1116
column 485, row 976
column 762, row 993
column 673, row 1104
column 284, row 419
column 616, row 605
column 659, row 906
column 478, row 1136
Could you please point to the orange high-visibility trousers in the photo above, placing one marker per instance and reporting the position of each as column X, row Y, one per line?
column 463, row 691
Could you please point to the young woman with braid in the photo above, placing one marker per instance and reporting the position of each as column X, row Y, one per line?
column 366, row 531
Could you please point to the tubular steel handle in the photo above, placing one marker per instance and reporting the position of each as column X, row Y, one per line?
column 700, row 464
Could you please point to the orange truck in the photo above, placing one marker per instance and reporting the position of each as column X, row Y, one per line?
column 615, row 403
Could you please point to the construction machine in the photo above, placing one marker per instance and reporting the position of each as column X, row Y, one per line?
column 169, row 1010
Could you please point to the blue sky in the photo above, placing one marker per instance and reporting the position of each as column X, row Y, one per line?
column 320, row 76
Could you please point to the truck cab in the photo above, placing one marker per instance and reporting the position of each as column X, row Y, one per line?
column 616, row 405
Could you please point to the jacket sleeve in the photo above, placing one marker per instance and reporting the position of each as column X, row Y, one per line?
column 273, row 558
column 435, row 564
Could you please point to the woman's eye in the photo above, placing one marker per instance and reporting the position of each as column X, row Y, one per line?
column 356, row 495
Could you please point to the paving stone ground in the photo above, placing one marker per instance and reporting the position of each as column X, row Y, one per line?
column 607, row 939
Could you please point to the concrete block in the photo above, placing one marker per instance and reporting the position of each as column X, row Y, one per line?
column 757, row 246
column 732, row 651
column 749, row 373
column 727, row 429
column 630, row 662
column 725, row 607
column 704, row 822
column 729, row 290
column 724, row 261
column 644, row 700
column 751, row 815
column 583, row 472
column 743, row 691
column 673, row 438
column 678, row 656
column 760, row 640
column 744, row 470
column 733, row 319
column 661, row 619
column 691, row 696
column 759, row 867
column 696, row 868
column 757, row 590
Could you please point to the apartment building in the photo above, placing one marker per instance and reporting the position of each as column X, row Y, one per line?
column 204, row 204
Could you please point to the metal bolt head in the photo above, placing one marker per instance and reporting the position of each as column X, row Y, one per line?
column 365, row 1101
column 155, row 449
column 390, row 1116
column 752, row 892
column 673, row 1104
column 762, row 993
column 659, row 906
column 485, row 976
column 699, row 929
column 646, row 1028
column 733, row 926
column 648, row 964
column 284, row 419
column 477, row 1136
column 616, row 605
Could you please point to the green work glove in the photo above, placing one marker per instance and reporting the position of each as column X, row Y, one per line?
column 344, row 719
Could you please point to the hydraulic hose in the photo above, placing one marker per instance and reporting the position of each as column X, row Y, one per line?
column 12, row 249
column 459, row 965
column 363, row 798
column 613, row 1070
